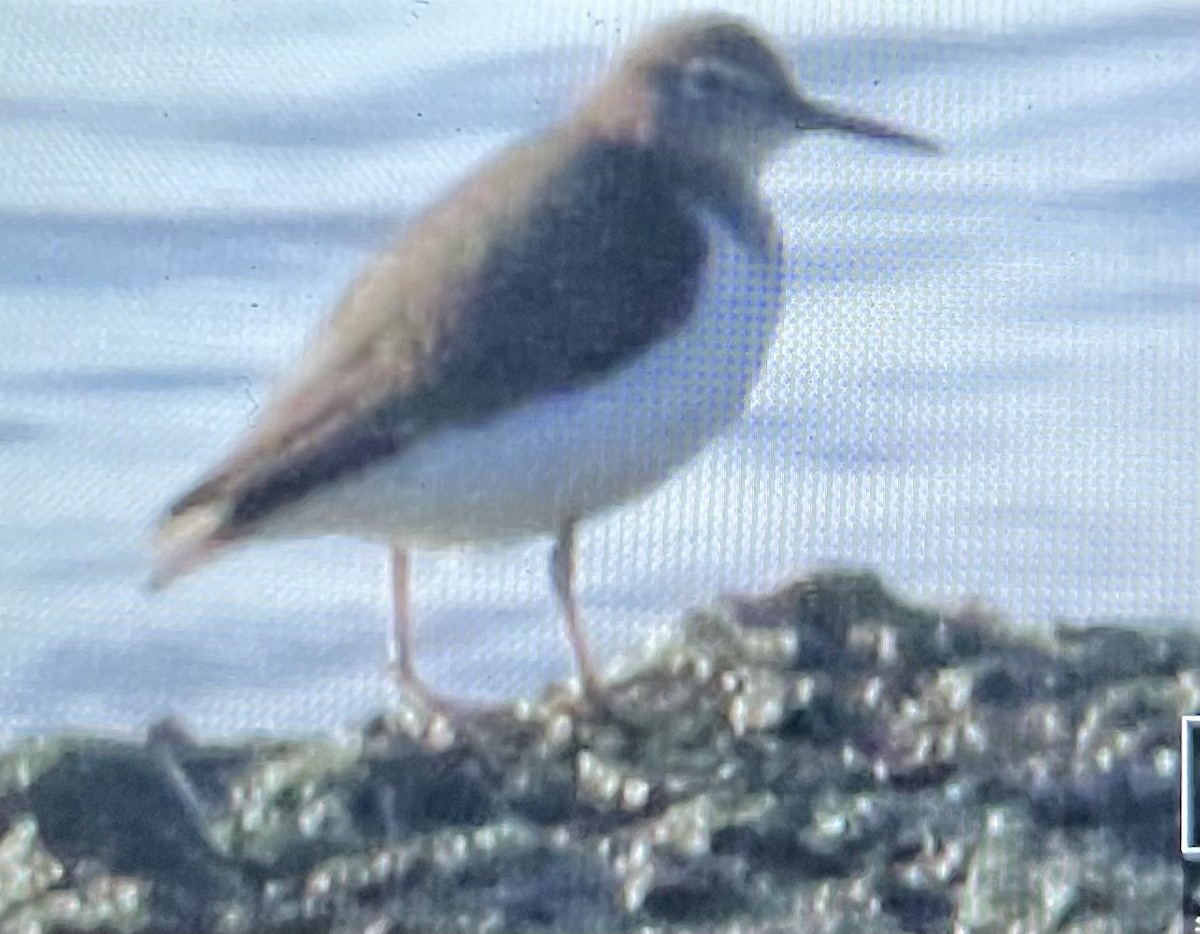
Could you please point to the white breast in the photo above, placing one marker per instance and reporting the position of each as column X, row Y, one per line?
column 577, row 453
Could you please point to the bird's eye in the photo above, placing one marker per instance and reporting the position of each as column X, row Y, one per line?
column 703, row 79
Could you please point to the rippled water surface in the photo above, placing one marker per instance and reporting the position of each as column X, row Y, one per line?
column 986, row 385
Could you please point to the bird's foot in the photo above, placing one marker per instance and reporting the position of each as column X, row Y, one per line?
column 589, row 698
column 436, row 716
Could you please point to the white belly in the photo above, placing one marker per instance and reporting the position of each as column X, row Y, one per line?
column 522, row 473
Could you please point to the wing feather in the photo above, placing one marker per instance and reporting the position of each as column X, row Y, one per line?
column 532, row 278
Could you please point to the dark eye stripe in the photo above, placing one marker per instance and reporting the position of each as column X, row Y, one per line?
column 711, row 74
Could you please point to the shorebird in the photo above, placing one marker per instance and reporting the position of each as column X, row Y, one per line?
column 561, row 333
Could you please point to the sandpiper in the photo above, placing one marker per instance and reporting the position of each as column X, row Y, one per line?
column 560, row 333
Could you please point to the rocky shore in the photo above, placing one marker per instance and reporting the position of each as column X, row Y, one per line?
column 824, row 759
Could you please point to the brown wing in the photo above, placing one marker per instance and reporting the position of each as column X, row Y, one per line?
column 504, row 293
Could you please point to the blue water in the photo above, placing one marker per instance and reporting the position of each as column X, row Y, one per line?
column 987, row 384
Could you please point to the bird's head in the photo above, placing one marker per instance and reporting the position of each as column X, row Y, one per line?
column 713, row 87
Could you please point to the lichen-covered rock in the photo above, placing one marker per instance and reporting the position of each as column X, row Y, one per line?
column 826, row 759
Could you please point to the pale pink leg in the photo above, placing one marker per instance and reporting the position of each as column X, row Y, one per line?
column 402, row 649
column 563, row 572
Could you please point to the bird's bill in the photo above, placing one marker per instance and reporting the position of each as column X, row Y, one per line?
column 812, row 116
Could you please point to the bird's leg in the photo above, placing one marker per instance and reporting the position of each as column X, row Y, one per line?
column 402, row 652
column 563, row 571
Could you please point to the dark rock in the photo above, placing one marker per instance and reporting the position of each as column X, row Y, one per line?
column 826, row 758
column 705, row 888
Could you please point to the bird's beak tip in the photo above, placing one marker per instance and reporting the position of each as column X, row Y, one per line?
column 929, row 147
column 815, row 117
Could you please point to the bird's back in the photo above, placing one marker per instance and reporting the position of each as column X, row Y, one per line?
column 520, row 282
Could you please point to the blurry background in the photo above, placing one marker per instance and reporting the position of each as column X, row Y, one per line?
column 987, row 385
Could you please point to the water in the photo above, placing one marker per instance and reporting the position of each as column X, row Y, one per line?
column 987, row 383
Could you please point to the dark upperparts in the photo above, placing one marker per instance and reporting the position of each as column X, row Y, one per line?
column 606, row 260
